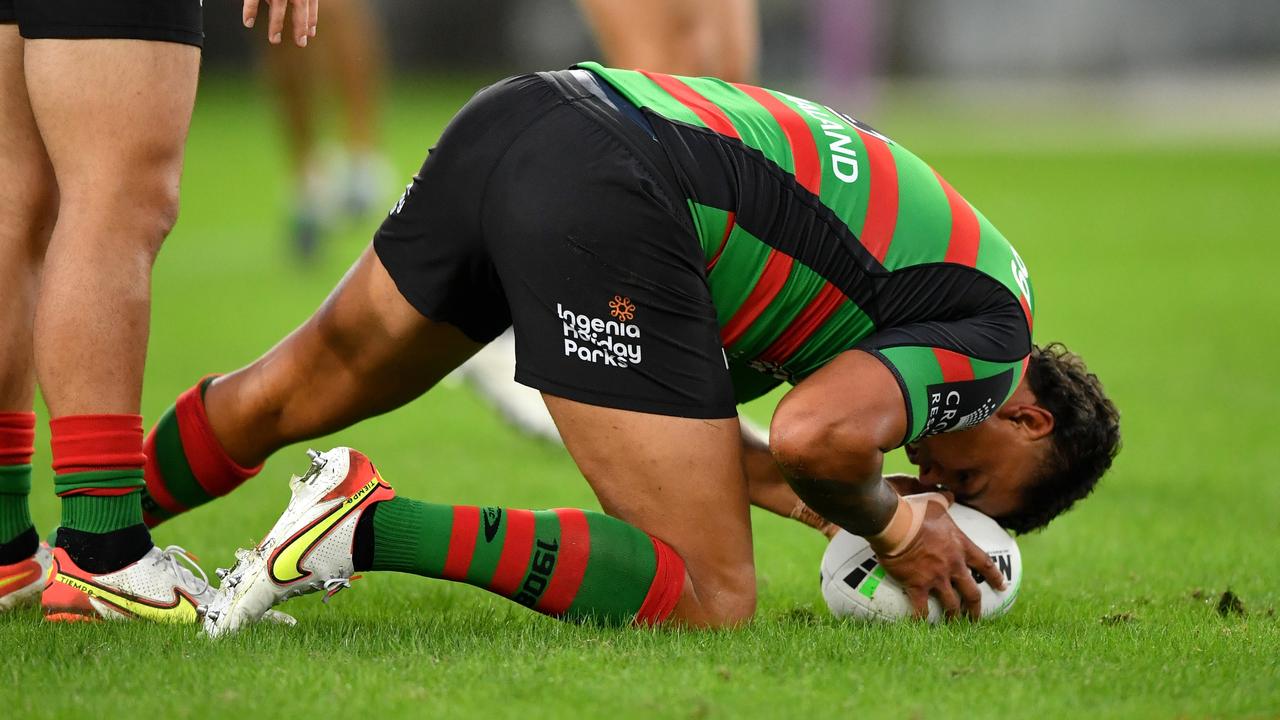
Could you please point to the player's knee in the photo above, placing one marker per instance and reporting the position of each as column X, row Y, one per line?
column 729, row 604
column 30, row 207
column 142, row 204
column 726, row 597
column 157, row 212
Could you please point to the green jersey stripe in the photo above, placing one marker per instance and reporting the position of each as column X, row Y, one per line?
column 962, row 243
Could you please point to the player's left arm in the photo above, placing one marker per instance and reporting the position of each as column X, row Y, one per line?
column 769, row 489
column 829, row 435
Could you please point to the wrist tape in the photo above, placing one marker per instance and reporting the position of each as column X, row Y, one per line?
column 905, row 524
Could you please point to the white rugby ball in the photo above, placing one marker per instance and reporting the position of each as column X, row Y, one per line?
column 854, row 584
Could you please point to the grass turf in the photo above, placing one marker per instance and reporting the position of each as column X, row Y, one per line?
column 1154, row 262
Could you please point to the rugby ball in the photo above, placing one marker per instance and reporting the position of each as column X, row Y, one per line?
column 854, row 584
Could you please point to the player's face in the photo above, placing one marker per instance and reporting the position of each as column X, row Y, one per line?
column 988, row 466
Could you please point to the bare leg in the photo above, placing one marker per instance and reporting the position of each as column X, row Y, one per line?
column 291, row 70
column 365, row 352
column 354, row 51
column 680, row 480
column 28, row 204
column 114, row 117
column 703, row 37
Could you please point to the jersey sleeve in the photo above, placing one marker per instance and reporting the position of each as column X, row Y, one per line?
column 944, row 390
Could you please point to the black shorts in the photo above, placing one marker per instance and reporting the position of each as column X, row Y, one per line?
column 179, row 21
column 544, row 207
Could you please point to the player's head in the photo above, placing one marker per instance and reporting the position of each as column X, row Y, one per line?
column 1042, row 451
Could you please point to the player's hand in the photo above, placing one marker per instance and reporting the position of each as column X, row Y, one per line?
column 304, row 14
column 936, row 559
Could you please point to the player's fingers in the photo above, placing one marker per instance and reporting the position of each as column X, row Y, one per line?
column 949, row 599
column 249, row 13
column 962, row 581
column 983, row 563
column 314, row 16
column 919, row 598
column 275, row 21
column 970, row 595
column 301, row 23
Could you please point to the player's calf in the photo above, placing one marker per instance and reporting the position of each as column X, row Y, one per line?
column 187, row 465
column 566, row 563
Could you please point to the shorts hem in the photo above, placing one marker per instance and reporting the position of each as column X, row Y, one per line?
column 598, row 399
column 474, row 334
column 111, row 32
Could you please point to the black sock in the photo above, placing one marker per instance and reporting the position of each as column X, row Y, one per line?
column 19, row 548
column 105, row 552
column 362, row 541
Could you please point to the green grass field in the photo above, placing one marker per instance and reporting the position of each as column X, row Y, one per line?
column 1156, row 261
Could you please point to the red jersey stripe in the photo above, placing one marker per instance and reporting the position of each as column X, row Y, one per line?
column 1026, row 310
column 955, row 367
column 962, row 248
column 804, row 150
column 517, row 546
column 462, row 542
column 777, row 268
column 707, row 111
column 812, row 317
column 728, row 228
column 882, row 198
column 571, row 563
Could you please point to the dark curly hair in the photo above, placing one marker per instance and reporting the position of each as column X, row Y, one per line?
column 1086, row 436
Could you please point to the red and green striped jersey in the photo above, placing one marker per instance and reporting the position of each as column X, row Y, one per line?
column 819, row 233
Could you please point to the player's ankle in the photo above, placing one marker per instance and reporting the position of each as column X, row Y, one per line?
column 99, row 553
column 18, row 539
column 19, row 548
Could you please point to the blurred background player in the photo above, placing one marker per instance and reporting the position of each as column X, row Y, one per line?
column 718, row 38
column 95, row 103
column 348, row 60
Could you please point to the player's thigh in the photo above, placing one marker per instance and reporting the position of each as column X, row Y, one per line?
column 114, row 114
column 680, row 480
column 27, row 190
column 364, row 352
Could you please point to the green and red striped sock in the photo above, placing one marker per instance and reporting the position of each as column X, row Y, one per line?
column 18, row 539
column 97, row 466
column 570, row 564
column 97, row 471
column 186, row 464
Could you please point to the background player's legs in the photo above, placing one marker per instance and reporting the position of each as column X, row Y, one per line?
column 114, row 116
column 680, row 480
column 703, row 37
column 28, row 207
column 366, row 351
column 351, row 58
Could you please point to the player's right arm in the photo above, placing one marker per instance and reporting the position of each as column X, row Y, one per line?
column 829, row 435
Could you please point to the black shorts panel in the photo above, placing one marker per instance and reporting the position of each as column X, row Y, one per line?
column 179, row 21
column 549, row 211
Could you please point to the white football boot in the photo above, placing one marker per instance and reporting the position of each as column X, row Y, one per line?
column 22, row 582
column 310, row 547
column 158, row 587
